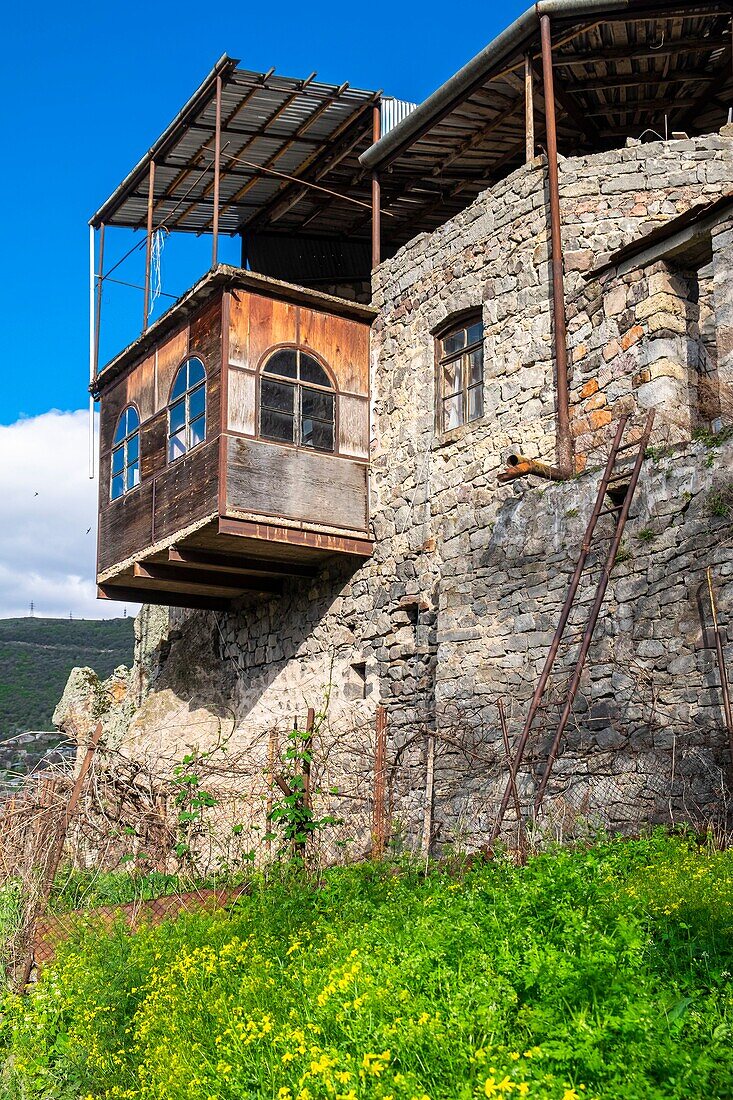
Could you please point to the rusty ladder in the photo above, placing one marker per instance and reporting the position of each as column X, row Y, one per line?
column 620, row 485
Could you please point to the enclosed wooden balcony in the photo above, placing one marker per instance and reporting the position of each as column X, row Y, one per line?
column 234, row 444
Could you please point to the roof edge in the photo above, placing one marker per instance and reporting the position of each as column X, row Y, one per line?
column 444, row 98
column 224, row 66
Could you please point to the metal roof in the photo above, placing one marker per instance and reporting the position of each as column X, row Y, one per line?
column 273, row 127
column 621, row 67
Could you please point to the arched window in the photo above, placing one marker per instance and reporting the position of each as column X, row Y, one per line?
column 461, row 373
column 187, row 409
column 125, row 469
column 297, row 402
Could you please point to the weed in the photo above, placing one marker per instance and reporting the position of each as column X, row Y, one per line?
column 645, row 534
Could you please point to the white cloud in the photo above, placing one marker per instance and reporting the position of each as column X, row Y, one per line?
column 48, row 519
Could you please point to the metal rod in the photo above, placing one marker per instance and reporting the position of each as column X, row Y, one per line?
column 594, row 612
column 217, row 176
column 521, row 836
column 149, row 245
column 560, row 629
column 528, row 108
column 564, row 442
column 98, row 312
column 380, row 755
column 721, row 666
column 376, row 193
column 92, row 341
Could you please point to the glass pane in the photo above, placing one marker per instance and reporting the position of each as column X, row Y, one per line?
column 452, row 377
column 118, row 460
column 317, row 434
column 475, row 333
column 179, row 386
column 197, row 431
column 176, row 446
column 118, row 486
column 454, row 342
column 276, row 425
column 120, row 432
column 475, row 366
column 176, row 417
column 197, row 403
column 283, row 362
column 133, row 475
column 475, row 402
column 277, row 395
column 133, row 420
column 312, row 371
column 133, row 448
column 452, row 413
column 316, row 404
column 196, row 372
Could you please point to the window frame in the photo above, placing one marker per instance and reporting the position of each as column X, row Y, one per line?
column 451, row 326
column 187, row 420
column 298, row 386
column 123, row 445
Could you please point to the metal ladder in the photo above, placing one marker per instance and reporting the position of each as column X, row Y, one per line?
column 620, row 485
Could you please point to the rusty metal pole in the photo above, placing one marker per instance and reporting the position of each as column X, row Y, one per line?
column 98, row 307
column 376, row 193
column 521, row 836
column 217, row 176
column 528, row 109
column 149, row 244
column 721, row 666
column 564, row 443
column 380, row 756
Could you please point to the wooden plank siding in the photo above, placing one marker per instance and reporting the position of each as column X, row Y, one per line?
column 265, row 479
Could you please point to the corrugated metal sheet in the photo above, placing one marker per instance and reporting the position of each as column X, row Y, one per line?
column 393, row 111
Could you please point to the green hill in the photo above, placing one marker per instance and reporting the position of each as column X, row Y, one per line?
column 37, row 655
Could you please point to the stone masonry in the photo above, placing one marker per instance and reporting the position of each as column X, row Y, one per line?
column 457, row 605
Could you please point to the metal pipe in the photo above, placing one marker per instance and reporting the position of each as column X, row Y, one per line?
column 594, row 612
column 217, row 175
column 539, row 690
column 149, row 244
column 721, row 666
column 564, row 443
column 519, row 466
column 521, row 836
column 376, row 193
column 92, row 340
column 528, row 109
column 98, row 312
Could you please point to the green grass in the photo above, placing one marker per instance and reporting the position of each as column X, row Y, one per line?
column 602, row 973
column 37, row 655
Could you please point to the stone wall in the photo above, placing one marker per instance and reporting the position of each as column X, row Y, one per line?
column 457, row 605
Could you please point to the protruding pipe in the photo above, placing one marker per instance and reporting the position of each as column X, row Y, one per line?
column 217, row 175
column 519, row 466
column 149, row 244
column 564, row 442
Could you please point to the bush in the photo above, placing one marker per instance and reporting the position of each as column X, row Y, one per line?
column 600, row 973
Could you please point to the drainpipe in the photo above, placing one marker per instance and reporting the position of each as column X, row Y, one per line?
column 564, row 442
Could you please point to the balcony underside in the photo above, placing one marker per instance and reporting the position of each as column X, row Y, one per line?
column 227, row 560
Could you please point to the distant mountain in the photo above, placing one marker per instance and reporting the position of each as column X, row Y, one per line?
column 37, row 655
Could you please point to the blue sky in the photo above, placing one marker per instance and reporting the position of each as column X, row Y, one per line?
column 89, row 87
column 86, row 90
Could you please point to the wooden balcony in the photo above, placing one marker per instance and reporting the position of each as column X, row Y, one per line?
column 250, row 404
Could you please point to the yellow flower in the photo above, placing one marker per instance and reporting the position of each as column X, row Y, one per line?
column 490, row 1086
column 523, row 1088
column 570, row 1094
column 505, row 1085
column 284, row 1093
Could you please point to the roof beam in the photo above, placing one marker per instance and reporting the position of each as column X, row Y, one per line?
column 636, row 51
column 238, row 582
column 125, row 593
column 236, row 563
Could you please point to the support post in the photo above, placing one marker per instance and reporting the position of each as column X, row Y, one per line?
column 528, row 108
column 92, row 342
column 98, row 310
column 149, row 244
column 379, row 811
column 564, row 446
column 217, row 176
column 376, row 194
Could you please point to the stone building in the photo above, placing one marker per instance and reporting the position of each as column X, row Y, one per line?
column 447, row 599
